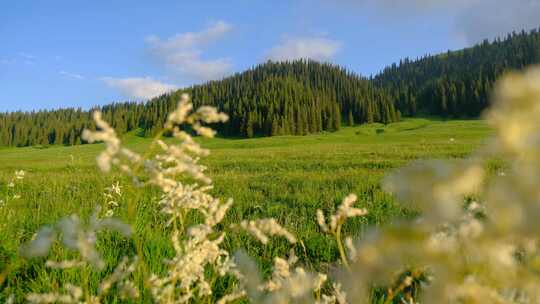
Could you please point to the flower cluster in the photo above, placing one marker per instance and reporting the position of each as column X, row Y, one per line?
column 82, row 238
column 197, row 245
column 345, row 211
column 10, row 193
column 262, row 228
column 112, row 195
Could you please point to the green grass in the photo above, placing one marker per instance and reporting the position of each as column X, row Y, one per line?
column 287, row 177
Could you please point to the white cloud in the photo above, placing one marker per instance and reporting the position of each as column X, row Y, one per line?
column 71, row 75
column 139, row 88
column 305, row 48
column 183, row 53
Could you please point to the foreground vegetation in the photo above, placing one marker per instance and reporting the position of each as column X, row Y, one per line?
column 465, row 231
column 287, row 178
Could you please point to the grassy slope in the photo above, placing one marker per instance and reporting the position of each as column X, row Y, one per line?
column 284, row 177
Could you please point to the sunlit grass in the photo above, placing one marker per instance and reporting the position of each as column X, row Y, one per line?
column 287, row 177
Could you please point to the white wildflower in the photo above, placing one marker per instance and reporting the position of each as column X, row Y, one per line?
column 232, row 297
column 64, row 264
column 112, row 194
column 262, row 228
column 73, row 295
column 341, row 296
column 437, row 186
column 319, row 281
column 107, row 135
column 10, row 299
column 76, row 236
column 351, row 249
column 344, row 212
column 40, row 244
column 20, row 174
column 120, row 275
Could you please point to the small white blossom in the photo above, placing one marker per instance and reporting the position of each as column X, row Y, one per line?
column 262, row 228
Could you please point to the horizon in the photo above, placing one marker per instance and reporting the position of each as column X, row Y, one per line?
column 64, row 55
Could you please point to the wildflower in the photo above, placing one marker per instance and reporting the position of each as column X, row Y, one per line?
column 232, row 297
column 341, row 296
column 263, row 227
column 73, row 295
column 319, row 281
column 344, row 212
column 107, row 135
column 438, row 187
column 515, row 112
column 120, row 275
column 115, row 188
column 40, row 244
column 64, row 264
column 75, row 236
column 112, row 194
column 19, row 174
column 128, row 290
column 10, row 299
column 290, row 285
column 351, row 249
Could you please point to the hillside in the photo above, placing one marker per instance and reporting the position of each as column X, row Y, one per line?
column 305, row 97
column 271, row 99
column 457, row 84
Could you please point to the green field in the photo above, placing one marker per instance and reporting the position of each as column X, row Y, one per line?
column 286, row 177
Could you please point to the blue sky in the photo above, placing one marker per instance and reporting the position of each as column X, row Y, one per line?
column 83, row 53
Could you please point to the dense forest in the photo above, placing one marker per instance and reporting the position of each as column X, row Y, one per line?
column 302, row 97
column 297, row 98
column 457, row 84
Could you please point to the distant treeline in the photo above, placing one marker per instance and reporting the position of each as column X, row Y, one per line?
column 457, row 84
column 303, row 97
column 297, row 98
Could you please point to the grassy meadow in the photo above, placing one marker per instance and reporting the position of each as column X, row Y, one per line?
column 287, row 177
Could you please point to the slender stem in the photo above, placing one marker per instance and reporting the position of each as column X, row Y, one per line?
column 341, row 248
column 86, row 283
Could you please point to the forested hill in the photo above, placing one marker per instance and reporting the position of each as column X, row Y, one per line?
column 298, row 98
column 304, row 97
column 457, row 84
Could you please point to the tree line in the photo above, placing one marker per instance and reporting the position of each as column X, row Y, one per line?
column 458, row 83
column 304, row 96
column 276, row 98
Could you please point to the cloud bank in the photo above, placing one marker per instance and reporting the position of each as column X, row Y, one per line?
column 182, row 53
column 321, row 49
column 139, row 88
